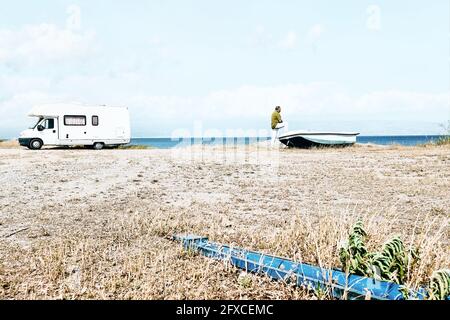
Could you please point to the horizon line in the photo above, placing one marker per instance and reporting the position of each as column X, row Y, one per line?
column 259, row 137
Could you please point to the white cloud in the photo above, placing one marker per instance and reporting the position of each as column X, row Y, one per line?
column 15, row 108
column 404, row 104
column 16, row 84
column 289, row 40
column 155, row 41
column 320, row 100
column 302, row 103
column 373, row 21
column 315, row 32
column 44, row 43
column 261, row 37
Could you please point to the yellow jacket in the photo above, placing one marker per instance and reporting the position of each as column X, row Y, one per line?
column 276, row 119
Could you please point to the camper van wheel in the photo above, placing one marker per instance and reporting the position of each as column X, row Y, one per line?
column 35, row 144
column 98, row 146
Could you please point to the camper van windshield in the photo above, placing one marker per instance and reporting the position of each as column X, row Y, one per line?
column 35, row 123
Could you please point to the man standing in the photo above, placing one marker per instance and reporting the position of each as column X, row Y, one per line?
column 277, row 124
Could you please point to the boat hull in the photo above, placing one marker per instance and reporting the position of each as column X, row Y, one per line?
column 309, row 140
column 336, row 282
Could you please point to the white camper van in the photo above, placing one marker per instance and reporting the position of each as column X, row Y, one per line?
column 73, row 124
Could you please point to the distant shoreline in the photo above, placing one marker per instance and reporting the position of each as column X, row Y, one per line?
column 267, row 137
column 168, row 143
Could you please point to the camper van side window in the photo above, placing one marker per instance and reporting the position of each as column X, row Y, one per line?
column 74, row 120
column 50, row 124
column 95, row 120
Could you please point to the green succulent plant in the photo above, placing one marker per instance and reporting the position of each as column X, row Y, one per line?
column 353, row 254
column 390, row 264
column 439, row 288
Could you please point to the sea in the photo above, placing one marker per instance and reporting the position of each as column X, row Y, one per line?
column 168, row 143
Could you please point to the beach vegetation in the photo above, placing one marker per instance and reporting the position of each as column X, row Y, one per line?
column 134, row 147
column 443, row 141
column 393, row 263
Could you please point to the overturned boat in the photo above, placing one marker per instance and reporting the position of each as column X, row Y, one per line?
column 308, row 139
column 340, row 284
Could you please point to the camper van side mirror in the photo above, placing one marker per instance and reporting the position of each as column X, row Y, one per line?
column 40, row 127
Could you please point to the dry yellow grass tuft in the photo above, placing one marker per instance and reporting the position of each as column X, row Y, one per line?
column 9, row 144
column 134, row 147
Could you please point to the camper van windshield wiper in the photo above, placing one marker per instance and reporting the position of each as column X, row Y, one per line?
column 35, row 125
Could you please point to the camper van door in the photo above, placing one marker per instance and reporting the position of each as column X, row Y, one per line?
column 48, row 130
column 74, row 127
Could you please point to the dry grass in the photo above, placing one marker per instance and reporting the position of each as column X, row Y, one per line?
column 134, row 147
column 104, row 234
column 443, row 141
column 430, row 236
column 9, row 144
column 12, row 144
column 133, row 258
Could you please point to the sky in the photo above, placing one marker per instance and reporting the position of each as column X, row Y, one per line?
column 378, row 67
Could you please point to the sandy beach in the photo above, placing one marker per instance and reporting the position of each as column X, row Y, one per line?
column 96, row 224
